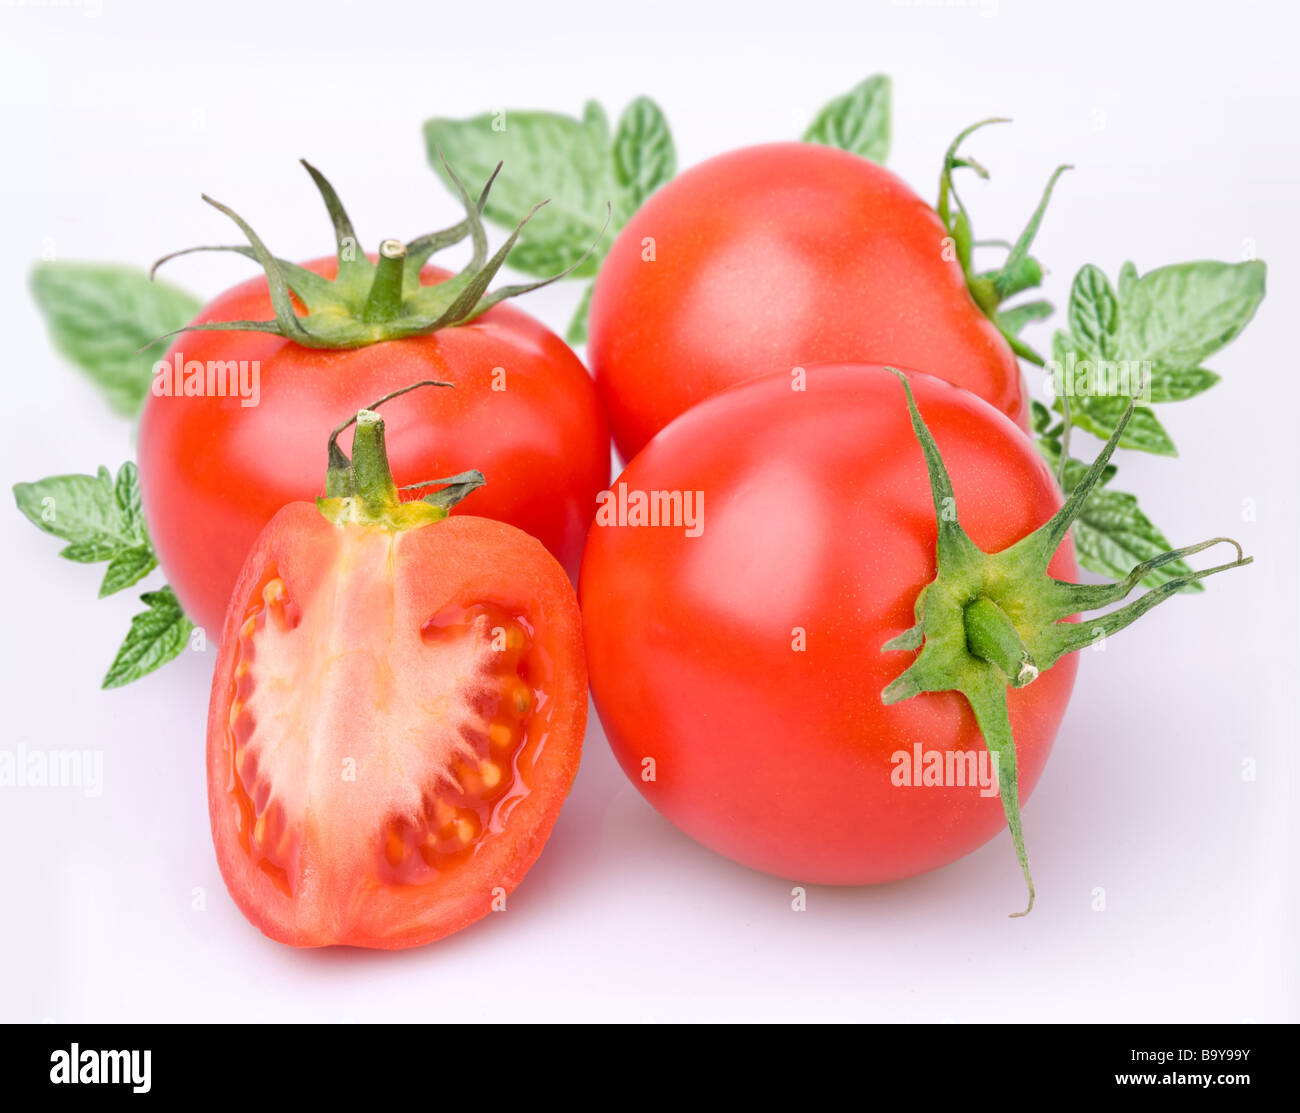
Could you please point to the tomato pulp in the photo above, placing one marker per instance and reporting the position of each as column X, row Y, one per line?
column 738, row 671
column 777, row 256
column 396, row 718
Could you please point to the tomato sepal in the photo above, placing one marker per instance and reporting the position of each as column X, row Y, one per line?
column 369, row 302
column 989, row 622
column 1019, row 272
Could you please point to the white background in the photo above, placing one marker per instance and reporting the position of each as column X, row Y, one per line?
column 1181, row 120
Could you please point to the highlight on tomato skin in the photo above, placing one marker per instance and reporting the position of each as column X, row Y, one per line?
column 396, row 719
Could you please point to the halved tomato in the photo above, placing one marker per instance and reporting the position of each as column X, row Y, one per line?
column 397, row 715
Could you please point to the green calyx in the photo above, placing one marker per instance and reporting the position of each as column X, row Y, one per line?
column 361, row 490
column 383, row 300
column 992, row 621
column 1019, row 272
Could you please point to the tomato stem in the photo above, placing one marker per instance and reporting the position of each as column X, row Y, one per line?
column 385, row 300
column 992, row 636
column 362, row 490
column 340, row 480
column 374, row 479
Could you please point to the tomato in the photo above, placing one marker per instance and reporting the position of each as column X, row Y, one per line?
column 777, row 256
column 396, row 717
column 738, row 672
column 213, row 471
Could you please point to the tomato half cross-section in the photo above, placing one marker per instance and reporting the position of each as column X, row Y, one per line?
column 777, row 256
column 397, row 713
column 233, row 427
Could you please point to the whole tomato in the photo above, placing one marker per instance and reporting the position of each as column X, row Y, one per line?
column 776, row 256
column 521, row 408
column 736, row 658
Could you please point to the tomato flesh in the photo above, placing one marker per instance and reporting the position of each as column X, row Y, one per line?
column 388, row 747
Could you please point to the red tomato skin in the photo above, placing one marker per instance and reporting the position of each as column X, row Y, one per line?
column 777, row 256
column 817, row 517
column 456, row 562
column 213, row 472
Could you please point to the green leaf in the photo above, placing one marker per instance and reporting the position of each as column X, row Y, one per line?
column 1163, row 324
column 574, row 164
column 100, row 517
column 128, row 567
column 156, row 636
column 126, row 492
column 1112, row 534
column 100, row 315
column 1041, row 416
column 1180, row 383
column 1015, row 319
column 1100, row 416
column 577, row 330
column 644, row 155
column 858, row 121
column 1093, row 313
column 92, row 552
column 1178, row 316
column 595, row 118
column 545, row 156
column 102, row 520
